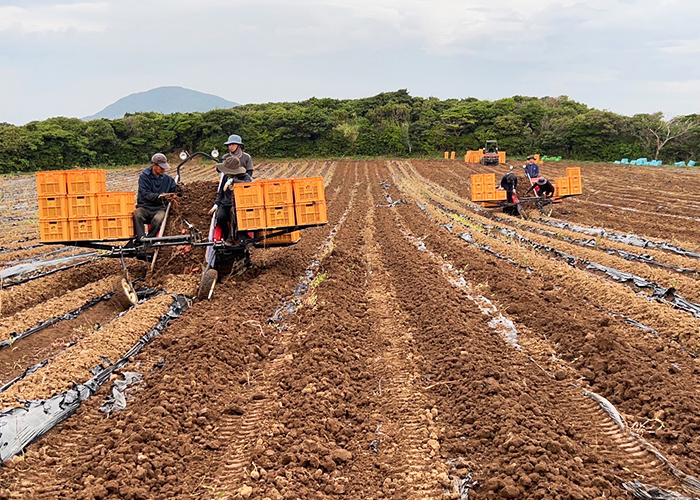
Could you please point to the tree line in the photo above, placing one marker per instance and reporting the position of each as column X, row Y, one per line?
column 388, row 124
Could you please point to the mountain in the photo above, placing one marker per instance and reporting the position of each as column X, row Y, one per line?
column 163, row 100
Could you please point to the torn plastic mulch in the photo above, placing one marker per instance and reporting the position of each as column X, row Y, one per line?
column 117, row 400
column 627, row 239
column 19, row 427
column 14, row 337
column 646, row 492
column 47, row 273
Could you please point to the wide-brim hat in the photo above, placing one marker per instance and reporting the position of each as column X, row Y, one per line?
column 531, row 157
column 231, row 166
column 541, row 181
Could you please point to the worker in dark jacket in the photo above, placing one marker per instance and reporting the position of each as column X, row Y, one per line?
column 542, row 188
column 532, row 168
column 509, row 182
column 224, row 206
column 156, row 187
column 235, row 149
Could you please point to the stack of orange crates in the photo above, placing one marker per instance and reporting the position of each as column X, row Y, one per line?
column 270, row 205
column 74, row 205
column 569, row 185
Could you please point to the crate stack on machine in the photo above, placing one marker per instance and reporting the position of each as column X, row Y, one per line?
column 75, row 205
column 270, row 205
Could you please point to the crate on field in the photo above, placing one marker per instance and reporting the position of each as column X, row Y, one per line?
column 53, row 207
column 82, row 206
column 311, row 213
column 54, row 230
column 573, row 172
column 561, row 186
column 115, row 203
column 278, row 192
column 249, row 194
column 248, row 218
column 51, row 183
column 501, row 195
column 116, row 227
column 280, row 216
column 284, row 239
column 84, row 229
column 501, row 157
column 309, row 189
column 575, row 185
column 86, row 181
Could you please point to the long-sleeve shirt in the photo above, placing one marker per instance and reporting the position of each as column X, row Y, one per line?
column 151, row 186
column 544, row 190
column 225, row 197
column 532, row 169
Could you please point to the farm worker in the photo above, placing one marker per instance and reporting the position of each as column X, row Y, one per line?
column 532, row 168
column 224, row 205
column 155, row 188
column 509, row 182
column 235, row 149
column 542, row 188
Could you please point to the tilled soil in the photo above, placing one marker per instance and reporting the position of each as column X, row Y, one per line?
column 390, row 376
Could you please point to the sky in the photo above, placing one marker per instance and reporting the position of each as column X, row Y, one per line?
column 74, row 57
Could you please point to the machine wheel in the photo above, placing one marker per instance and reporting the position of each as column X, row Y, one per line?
column 545, row 207
column 206, row 286
column 124, row 293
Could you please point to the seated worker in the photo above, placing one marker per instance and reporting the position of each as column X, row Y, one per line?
column 542, row 188
column 235, row 149
column 224, row 206
column 155, row 188
column 532, row 168
column 509, row 182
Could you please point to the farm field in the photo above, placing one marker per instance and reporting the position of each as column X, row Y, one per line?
column 417, row 346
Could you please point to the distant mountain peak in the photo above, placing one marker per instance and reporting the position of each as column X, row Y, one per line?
column 164, row 100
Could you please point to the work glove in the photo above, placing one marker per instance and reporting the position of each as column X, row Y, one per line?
column 213, row 209
column 228, row 185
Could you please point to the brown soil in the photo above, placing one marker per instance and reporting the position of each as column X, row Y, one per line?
column 388, row 380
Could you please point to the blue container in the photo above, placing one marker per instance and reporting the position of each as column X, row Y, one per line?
column 691, row 163
column 625, row 161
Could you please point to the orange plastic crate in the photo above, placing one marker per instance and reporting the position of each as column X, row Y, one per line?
column 53, row 207
column 249, row 218
column 116, row 227
column 249, row 194
column 54, row 230
column 477, row 187
column 115, row 203
column 575, row 186
column 285, row 239
column 573, row 172
column 82, row 206
column 86, row 181
column 309, row 189
column 278, row 192
column 311, row 213
column 501, row 157
column 280, row 216
column 51, row 183
column 501, row 195
column 84, row 229
column 561, row 186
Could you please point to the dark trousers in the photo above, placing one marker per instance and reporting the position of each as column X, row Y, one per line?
column 224, row 216
column 144, row 216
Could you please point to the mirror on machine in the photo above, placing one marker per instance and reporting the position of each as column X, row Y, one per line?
column 215, row 153
column 183, row 155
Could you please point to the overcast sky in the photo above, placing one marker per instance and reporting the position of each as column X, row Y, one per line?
column 73, row 58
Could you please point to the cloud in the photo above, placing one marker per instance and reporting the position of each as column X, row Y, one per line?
column 89, row 17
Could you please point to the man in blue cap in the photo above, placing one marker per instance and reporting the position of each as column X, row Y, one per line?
column 155, row 189
column 235, row 150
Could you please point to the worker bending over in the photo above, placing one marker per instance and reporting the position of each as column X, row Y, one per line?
column 155, row 189
column 509, row 182
column 542, row 188
column 224, row 206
